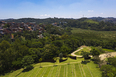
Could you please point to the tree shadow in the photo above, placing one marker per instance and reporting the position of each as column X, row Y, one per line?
column 61, row 60
column 73, row 57
column 49, row 60
column 55, row 65
column 85, row 62
column 18, row 74
column 28, row 68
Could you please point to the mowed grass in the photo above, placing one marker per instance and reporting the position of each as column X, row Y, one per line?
column 74, row 69
column 85, row 49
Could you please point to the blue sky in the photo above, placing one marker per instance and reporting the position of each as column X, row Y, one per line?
column 57, row 8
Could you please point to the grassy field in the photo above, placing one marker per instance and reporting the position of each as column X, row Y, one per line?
column 84, row 33
column 91, row 21
column 74, row 69
column 109, row 50
column 86, row 49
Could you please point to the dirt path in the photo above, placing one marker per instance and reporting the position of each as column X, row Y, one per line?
column 101, row 56
column 107, row 55
column 73, row 53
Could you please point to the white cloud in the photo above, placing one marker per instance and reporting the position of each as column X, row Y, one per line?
column 45, row 15
column 90, row 10
column 102, row 13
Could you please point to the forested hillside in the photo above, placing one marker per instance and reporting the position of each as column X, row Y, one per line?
column 59, row 36
column 99, row 24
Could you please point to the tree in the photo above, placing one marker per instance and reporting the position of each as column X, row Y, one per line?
column 37, row 44
column 108, row 71
column 58, row 43
column 49, row 51
column 112, row 61
column 85, row 55
column 95, row 52
column 65, row 50
column 40, row 62
column 60, row 55
column 26, row 61
column 35, row 53
column 4, row 45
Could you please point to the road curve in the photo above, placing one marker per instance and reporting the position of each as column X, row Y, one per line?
column 73, row 53
column 101, row 56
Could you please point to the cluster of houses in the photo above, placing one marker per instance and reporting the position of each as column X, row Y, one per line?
column 12, row 27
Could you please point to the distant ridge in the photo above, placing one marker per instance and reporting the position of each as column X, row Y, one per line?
column 108, row 19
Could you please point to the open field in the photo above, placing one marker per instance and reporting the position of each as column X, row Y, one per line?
column 109, row 50
column 74, row 69
column 91, row 21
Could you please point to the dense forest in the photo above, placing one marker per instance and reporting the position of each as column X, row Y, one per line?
column 57, row 39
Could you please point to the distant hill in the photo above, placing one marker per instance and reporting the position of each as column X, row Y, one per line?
column 45, row 21
column 91, row 21
column 109, row 19
column 94, row 23
column 52, row 20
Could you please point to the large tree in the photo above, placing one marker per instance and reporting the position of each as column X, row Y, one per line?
column 26, row 61
column 95, row 52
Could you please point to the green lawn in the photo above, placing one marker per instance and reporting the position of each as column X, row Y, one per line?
column 78, row 71
column 62, row 71
column 74, row 69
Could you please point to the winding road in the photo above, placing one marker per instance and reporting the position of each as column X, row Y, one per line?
column 73, row 53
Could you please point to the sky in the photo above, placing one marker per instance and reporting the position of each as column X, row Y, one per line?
column 57, row 8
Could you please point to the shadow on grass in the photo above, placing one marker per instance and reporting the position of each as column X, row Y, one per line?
column 95, row 61
column 28, row 68
column 18, row 74
column 61, row 60
column 49, row 60
column 85, row 62
column 55, row 65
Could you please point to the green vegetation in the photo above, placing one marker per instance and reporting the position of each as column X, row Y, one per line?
column 85, row 49
column 109, row 50
column 95, row 71
column 91, row 21
column 84, row 33
column 58, row 42
column 74, row 69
